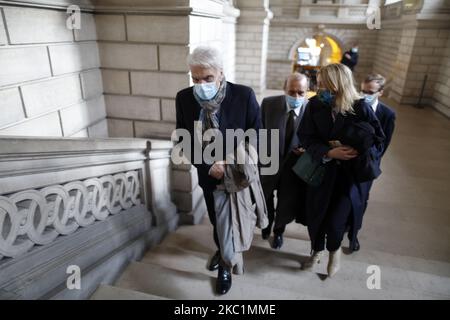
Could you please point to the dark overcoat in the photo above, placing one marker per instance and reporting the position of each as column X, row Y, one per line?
column 316, row 130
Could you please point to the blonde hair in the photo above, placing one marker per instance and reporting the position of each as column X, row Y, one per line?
column 338, row 78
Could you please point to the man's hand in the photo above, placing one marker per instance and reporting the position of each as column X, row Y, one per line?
column 348, row 56
column 342, row 153
column 217, row 170
column 299, row 151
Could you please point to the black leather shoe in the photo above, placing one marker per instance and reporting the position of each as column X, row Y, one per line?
column 265, row 233
column 223, row 283
column 356, row 246
column 214, row 263
column 277, row 241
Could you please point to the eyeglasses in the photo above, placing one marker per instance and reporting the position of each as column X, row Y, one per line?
column 369, row 92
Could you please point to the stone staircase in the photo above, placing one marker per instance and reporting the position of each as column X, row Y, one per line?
column 176, row 269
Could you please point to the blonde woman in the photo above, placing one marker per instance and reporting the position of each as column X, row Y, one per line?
column 328, row 134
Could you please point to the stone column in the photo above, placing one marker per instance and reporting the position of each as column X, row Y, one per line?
column 229, row 39
column 251, row 43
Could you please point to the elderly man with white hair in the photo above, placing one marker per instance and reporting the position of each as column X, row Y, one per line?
column 221, row 105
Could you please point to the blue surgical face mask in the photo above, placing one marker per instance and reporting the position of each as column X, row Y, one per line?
column 326, row 96
column 294, row 103
column 370, row 98
column 206, row 91
column 355, row 50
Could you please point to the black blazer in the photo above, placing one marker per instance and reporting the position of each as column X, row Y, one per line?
column 239, row 110
column 386, row 116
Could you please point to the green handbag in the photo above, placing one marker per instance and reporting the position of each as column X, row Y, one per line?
column 309, row 170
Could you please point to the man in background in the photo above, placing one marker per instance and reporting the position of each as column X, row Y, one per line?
column 372, row 89
column 350, row 58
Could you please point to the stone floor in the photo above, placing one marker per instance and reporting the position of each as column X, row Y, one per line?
column 406, row 233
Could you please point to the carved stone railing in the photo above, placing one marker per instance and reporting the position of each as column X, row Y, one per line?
column 93, row 203
column 37, row 217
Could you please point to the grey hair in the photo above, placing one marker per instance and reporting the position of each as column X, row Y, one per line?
column 206, row 57
column 296, row 76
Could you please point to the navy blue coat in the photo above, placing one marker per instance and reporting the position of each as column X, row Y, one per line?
column 315, row 131
column 386, row 116
column 239, row 110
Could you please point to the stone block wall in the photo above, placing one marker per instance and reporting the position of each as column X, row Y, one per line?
column 143, row 67
column 427, row 58
column 252, row 34
column 412, row 54
column 50, row 82
column 143, row 62
column 386, row 62
column 441, row 96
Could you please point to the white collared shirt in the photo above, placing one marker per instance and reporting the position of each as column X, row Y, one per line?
column 375, row 105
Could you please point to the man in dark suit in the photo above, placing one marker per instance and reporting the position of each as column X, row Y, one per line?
column 350, row 57
column 284, row 113
column 372, row 89
column 221, row 105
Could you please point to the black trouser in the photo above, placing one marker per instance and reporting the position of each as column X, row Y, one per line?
column 334, row 225
column 270, row 203
column 209, row 199
column 354, row 228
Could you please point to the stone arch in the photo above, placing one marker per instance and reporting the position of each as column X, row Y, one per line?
column 292, row 51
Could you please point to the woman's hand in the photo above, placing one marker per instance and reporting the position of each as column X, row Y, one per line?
column 299, row 151
column 342, row 153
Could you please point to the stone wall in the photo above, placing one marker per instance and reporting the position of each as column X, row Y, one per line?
column 143, row 59
column 142, row 68
column 50, row 82
column 441, row 96
column 252, row 35
column 412, row 54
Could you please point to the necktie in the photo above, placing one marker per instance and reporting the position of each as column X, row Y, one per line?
column 289, row 131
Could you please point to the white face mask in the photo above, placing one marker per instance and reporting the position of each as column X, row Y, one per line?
column 355, row 50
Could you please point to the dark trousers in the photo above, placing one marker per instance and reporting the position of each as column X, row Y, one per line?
column 209, row 199
column 334, row 225
column 270, row 203
column 355, row 226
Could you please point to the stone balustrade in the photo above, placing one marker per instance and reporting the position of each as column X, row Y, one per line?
column 93, row 203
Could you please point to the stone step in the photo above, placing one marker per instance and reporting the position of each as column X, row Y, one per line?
column 107, row 292
column 157, row 280
column 203, row 235
column 281, row 269
column 283, row 272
